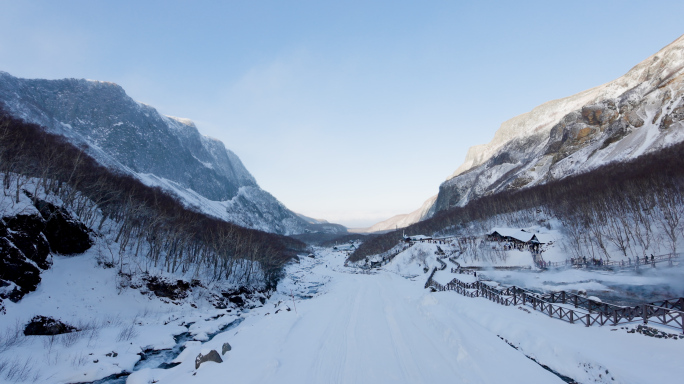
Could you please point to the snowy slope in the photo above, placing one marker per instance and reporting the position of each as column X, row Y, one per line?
column 637, row 113
column 404, row 220
column 160, row 150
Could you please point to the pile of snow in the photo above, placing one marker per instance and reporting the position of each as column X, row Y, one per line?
column 414, row 260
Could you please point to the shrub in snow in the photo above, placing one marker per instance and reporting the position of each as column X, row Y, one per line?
column 127, row 333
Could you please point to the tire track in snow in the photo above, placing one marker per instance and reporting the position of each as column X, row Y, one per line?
column 337, row 346
column 410, row 369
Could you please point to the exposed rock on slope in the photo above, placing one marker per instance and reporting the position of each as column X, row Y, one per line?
column 160, row 150
column 638, row 113
column 25, row 244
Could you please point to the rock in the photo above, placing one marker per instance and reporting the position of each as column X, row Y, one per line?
column 24, row 250
column 66, row 235
column 211, row 356
column 47, row 326
column 173, row 291
column 14, row 267
column 634, row 119
column 24, row 231
column 226, row 348
column 26, row 242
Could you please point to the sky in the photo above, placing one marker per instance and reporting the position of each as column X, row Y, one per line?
column 349, row 111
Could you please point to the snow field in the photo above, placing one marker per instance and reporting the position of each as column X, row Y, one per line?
column 78, row 292
column 366, row 329
column 341, row 327
column 586, row 354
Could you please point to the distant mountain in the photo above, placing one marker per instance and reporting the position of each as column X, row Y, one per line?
column 640, row 112
column 404, row 220
column 160, row 150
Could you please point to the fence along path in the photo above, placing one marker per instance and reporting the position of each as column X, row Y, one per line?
column 442, row 266
column 568, row 306
column 609, row 264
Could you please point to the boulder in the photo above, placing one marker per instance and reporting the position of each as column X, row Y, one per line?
column 211, row 356
column 14, row 267
column 25, row 232
column 66, row 235
column 47, row 326
column 226, row 348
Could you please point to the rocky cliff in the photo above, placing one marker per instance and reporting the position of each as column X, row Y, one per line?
column 640, row 112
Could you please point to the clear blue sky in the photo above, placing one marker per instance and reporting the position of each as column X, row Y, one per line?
column 349, row 111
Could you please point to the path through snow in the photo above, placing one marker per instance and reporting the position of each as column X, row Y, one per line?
column 366, row 329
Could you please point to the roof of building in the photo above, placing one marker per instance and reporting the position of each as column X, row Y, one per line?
column 517, row 234
column 523, row 236
column 420, row 237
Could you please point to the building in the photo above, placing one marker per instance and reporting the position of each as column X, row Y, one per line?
column 515, row 236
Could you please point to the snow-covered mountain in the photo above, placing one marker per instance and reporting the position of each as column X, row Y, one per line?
column 160, row 150
column 638, row 113
column 404, row 220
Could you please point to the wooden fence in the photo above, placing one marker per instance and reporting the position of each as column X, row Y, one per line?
column 570, row 307
column 442, row 266
column 612, row 264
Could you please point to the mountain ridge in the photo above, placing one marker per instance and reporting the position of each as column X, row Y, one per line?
column 639, row 112
column 634, row 114
column 164, row 151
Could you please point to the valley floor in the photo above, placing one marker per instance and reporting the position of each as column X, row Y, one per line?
column 378, row 328
column 385, row 328
column 342, row 326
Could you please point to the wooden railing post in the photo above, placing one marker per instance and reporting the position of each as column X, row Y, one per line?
column 644, row 313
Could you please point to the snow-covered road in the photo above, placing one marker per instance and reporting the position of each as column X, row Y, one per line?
column 366, row 329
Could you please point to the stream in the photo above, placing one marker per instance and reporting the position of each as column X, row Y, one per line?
column 162, row 358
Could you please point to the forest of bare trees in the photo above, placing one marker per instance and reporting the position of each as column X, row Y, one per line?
column 634, row 206
column 148, row 224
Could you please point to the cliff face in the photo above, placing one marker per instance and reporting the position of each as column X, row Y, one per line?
column 165, row 151
column 640, row 112
column 124, row 133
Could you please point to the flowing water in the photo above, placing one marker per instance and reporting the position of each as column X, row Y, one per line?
column 163, row 358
